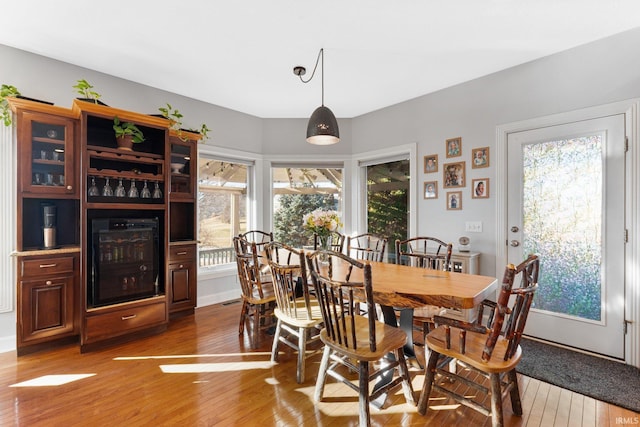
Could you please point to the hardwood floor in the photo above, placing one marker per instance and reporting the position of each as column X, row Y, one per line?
column 202, row 373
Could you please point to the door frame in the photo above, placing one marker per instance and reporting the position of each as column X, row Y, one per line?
column 631, row 110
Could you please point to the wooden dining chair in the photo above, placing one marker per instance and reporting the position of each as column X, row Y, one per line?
column 430, row 253
column 490, row 349
column 259, row 237
column 297, row 311
column 353, row 341
column 337, row 241
column 367, row 246
column 258, row 296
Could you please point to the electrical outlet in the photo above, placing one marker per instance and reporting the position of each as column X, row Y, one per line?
column 473, row 226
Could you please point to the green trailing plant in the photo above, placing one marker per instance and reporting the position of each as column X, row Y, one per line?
column 175, row 122
column 7, row 91
column 84, row 88
column 123, row 129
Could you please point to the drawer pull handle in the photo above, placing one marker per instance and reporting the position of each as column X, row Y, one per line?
column 48, row 265
column 48, row 282
column 131, row 316
column 181, row 253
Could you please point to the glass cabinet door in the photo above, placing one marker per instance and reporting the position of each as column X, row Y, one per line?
column 46, row 145
column 183, row 169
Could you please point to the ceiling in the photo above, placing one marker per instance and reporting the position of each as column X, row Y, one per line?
column 240, row 55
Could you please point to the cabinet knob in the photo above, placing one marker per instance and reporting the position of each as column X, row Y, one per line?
column 181, row 266
column 69, row 187
column 48, row 282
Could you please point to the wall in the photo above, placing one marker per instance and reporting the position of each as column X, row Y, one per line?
column 594, row 74
column 598, row 73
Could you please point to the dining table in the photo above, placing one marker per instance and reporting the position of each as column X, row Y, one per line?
column 403, row 287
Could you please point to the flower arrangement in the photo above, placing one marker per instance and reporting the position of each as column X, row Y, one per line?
column 321, row 222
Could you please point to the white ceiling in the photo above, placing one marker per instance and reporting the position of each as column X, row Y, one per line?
column 240, row 54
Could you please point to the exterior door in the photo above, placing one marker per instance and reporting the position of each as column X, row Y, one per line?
column 566, row 202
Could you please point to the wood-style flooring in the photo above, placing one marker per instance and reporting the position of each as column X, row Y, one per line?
column 202, row 373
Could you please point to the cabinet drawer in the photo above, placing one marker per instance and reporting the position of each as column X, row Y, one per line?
column 119, row 322
column 46, row 267
column 186, row 252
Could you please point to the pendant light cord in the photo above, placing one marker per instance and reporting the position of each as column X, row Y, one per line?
column 320, row 55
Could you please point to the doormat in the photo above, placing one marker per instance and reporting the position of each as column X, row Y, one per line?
column 601, row 379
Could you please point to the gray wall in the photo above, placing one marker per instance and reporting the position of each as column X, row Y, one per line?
column 594, row 74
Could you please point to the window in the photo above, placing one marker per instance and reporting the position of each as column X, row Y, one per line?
column 298, row 190
column 223, row 186
column 388, row 202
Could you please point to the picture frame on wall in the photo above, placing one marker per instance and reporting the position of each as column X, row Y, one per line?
column 454, row 175
column 480, row 157
column 454, row 147
column 431, row 163
column 454, row 200
column 431, row 190
column 480, row 188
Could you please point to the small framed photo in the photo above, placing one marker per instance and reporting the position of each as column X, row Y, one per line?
column 431, row 163
column 454, row 147
column 480, row 157
column 454, row 174
column 480, row 188
column 454, row 200
column 431, row 190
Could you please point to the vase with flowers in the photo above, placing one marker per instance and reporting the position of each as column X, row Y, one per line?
column 322, row 223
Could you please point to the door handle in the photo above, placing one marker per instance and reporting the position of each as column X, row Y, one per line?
column 514, row 243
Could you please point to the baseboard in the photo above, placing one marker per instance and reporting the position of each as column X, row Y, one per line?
column 7, row 343
column 218, row 298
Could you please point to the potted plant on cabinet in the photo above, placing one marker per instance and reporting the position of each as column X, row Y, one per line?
column 7, row 91
column 85, row 89
column 127, row 134
column 175, row 122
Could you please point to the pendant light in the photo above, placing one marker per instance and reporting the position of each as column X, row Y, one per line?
column 322, row 128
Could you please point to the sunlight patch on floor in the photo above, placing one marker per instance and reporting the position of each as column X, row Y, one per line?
column 52, row 380
column 187, row 356
column 187, row 368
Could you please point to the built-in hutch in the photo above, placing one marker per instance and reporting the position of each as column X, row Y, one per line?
column 106, row 248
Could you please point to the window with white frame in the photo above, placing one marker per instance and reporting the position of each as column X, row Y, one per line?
column 300, row 189
column 223, row 194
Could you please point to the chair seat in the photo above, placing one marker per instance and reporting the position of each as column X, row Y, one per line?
column 475, row 344
column 388, row 339
column 299, row 318
column 268, row 294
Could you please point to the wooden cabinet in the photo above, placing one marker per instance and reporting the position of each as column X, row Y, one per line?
column 181, row 280
column 68, row 163
column 47, row 298
column 46, row 154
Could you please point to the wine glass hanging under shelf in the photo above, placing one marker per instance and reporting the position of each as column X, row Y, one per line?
column 107, row 189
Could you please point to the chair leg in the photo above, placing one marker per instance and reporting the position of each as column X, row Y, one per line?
column 407, row 387
column 276, row 341
column 423, row 403
column 322, row 374
column 302, row 351
column 496, row 401
column 243, row 315
column 516, row 404
column 363, row 380
column 253, row 338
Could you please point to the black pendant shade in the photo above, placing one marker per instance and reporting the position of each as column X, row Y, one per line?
column 323, row 127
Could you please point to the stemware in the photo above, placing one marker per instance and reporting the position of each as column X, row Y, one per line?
column 145, row 193
column 120, row 191
column 93, row 190
column 133, row 190
column 107, row 191
column 157, row 193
